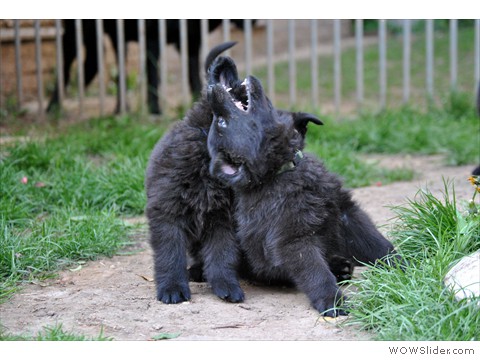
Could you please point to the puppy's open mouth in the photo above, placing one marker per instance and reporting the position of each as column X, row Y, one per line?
column 230, row 165
column 240, row 94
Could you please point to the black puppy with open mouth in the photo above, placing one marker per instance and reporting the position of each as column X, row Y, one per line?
column 295, row 221
column 190, row 213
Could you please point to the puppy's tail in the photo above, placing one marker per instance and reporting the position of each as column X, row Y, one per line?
column 217, row 50
column 363, row 242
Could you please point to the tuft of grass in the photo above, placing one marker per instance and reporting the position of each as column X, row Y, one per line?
column 452, row 130
column 413, row 303
column 33, row 249
column 342, row 159
column 62, row 196
column 53, row 333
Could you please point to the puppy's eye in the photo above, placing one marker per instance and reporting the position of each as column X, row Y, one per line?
column 222, row 122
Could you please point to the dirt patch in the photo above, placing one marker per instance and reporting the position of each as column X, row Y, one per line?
column 118, row 294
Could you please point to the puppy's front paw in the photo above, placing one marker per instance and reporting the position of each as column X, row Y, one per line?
column 173, row 293
column 329, row 307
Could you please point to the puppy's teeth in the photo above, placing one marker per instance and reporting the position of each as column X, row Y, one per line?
column 228, row 89
column 244, row 83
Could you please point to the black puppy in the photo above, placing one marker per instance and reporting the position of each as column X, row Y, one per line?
column 295, row 221
column 131, row 34
column 189, row 211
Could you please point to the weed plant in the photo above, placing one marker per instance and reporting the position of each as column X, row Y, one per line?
column 53, row 333
column 413, row 303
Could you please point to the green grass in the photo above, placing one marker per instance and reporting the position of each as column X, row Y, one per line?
column 78, row 183
column 413, row 304
column 452, row 130
column 53, row 333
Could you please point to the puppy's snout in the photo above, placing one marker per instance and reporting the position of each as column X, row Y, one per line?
column 215, row 94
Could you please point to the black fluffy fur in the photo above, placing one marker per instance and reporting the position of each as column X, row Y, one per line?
column 191, row 212
column 296, row 223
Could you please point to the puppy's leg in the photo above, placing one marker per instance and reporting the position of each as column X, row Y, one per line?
column 310, row 272
column 170, row 262
column 221, row 256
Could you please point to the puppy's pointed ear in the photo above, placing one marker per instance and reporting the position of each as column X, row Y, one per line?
column 301, row 120
column 221, row 69
column 217, row 50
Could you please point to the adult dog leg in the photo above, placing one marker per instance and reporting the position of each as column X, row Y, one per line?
column 90, row 65
column 153, row 53
column 69, row 52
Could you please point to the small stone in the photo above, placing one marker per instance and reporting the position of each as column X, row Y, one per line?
column 464, row 277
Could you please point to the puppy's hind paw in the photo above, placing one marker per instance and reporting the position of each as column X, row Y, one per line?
column 231, row 292
column 195, row 273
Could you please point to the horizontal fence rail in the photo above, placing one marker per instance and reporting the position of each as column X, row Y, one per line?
column 281, row 52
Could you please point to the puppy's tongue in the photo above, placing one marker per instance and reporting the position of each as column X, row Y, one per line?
column 229, row 169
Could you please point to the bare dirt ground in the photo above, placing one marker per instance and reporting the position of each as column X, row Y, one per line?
column 118, row 294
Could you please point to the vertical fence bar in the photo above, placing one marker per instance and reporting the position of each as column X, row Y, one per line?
column 18, row 64
column 337, row 66
column 407, row 29
column 80, row 73
column 382, row 39
column 142, row 60
column 429, row 59
column 476, row 71
column 226, row 33
column 270, row 62
column 291, row 63
column 162, row 39
column 184, row 60
column 204, row 46
column 314, row 61
column 38, row 60
column 359, row 61
column 122, row 85
column 59, row 59
column 247, row 24
column 453, row 54
column 101, row 67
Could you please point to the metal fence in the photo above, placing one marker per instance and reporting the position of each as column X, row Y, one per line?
column 342, row 34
